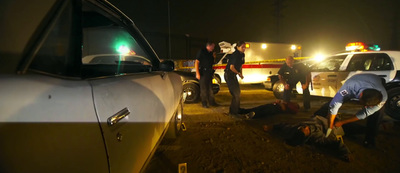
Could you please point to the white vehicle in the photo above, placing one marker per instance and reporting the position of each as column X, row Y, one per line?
column 330, row 73
column 262, row 60
column 81, row 89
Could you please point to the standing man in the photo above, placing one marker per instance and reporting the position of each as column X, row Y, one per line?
column 290, row 74
column 233, row 68
column 204, row 72
column 368, row 89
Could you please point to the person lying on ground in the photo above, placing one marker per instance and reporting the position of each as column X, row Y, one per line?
column 271, row 109
column 313, row 132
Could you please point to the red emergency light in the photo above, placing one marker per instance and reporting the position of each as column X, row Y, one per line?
column 356, row 46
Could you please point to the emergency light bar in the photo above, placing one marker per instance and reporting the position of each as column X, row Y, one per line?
column 360, row 46
column 355, row 46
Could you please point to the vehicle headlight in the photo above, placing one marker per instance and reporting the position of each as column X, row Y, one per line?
column 214, row 81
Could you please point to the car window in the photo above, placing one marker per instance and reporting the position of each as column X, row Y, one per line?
column 108, row 45
column 329, row 64
column 370, row 62
column 59, row 54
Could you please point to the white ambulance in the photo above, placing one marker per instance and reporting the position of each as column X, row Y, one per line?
column 261, row 60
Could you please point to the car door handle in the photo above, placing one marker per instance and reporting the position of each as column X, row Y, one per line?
column 118, row 116
column 382, row 75
column 332, row 75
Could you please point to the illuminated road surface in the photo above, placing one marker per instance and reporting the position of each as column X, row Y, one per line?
column 215, row 142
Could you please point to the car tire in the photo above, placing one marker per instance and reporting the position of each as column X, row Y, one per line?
column 175, row 125
column 218, row 78
column 193, row 92
column 278, row 88
column 392, row 106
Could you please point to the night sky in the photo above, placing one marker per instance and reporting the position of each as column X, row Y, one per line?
column 318, row 25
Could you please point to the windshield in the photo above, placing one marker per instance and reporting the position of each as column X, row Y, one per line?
column 329, row 64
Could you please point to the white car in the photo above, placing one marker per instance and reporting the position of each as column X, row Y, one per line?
column 330, row 73
column 61, row 113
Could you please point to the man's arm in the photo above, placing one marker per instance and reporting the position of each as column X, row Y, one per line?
column 362, row 114
column 196, row 66
column 308, row 80
column 233, row 69
column 350, row 120
column 334, row 106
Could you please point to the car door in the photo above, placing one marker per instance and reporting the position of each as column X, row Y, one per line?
column 324, row 76
column 133, row 103
column 47, row 118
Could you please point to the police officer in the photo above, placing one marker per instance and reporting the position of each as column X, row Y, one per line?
column 233, row 68
column 204, row 72
column 368, row 89
column 290, row 74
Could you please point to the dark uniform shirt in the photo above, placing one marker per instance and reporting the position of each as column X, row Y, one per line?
column 236, row 59
column 293, row 75
column 206, row 59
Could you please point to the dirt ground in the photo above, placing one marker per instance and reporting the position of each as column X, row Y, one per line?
column 215, row 142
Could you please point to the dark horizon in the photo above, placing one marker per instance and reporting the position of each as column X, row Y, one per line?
column 319, row 26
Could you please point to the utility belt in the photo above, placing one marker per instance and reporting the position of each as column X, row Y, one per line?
column 205, row 71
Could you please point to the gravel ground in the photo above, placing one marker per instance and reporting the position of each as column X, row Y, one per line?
column 215, row 142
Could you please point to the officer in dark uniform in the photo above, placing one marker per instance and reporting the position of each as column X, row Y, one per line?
column 290, row 74
column 204, row 72
column 233, row 68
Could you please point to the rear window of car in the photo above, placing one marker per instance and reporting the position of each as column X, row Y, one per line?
column 370, row 62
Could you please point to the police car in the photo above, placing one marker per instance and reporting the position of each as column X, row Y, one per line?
column 329, row 73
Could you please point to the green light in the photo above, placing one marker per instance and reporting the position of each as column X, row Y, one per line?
column 375, row 47
column 123, row 49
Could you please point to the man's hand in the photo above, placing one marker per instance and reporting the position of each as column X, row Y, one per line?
column 287, row 87
column 241, row 75
column 198, row 76
column 331, row 120
column 338, row 124
column 304, row 86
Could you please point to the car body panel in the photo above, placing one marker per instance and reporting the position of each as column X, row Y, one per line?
column 49, row 121
column 150, row 111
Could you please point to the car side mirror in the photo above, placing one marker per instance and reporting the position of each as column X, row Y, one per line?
column 167, row 65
